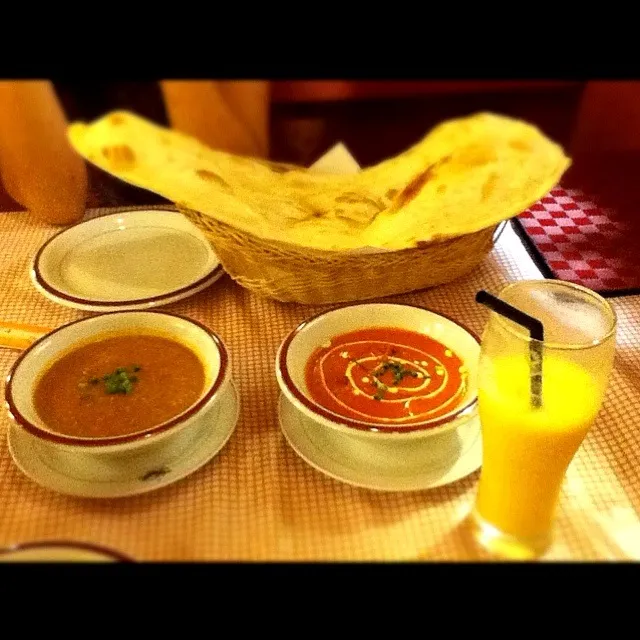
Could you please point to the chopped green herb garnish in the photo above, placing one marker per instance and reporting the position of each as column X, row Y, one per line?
column 119, row 381
column 399, row 372
column 381, row 388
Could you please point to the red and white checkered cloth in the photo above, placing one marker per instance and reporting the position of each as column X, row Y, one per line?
column 578, row 241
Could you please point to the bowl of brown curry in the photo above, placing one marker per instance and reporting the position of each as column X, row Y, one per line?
column 118, row 389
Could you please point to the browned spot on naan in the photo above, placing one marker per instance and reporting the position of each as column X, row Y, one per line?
column 520, row 145
column 351, row 197
column 276, row 167
column 416, row 185
column 116, row 119
column 210, row 176
column 489, row 185
column 309, row 210
column 119, row 156
column 349, row 220
column 281, row 167
column 412, row 189
column 475, row 155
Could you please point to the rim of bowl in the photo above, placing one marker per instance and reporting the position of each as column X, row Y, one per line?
column 59, row 438
column 49, row 288
column 361, row 425
column 65, row 544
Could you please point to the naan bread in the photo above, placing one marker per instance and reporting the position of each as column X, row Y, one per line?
column 465, row 175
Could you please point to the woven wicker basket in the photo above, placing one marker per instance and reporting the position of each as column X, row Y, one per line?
column 311, row 276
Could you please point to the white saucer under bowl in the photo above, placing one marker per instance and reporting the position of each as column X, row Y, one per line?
column 130, row 260
column 406, row 465
column 28, row 457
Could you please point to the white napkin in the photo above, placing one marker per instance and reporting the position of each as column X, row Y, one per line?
column 337, row 160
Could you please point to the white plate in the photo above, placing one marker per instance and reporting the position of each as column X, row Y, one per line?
column 125, row 261
column 412, row 465
column 27, row 459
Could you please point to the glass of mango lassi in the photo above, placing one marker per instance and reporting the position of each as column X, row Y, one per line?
column 528, row 442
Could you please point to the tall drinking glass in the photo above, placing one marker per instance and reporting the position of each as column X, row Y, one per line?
column 527, row 448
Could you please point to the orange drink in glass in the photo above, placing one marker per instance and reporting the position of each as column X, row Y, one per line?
column 527, row 448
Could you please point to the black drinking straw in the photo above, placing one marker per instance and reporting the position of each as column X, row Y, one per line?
column 536, row 332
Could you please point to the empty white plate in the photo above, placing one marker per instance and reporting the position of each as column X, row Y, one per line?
column 126, row 261
column 413, row 465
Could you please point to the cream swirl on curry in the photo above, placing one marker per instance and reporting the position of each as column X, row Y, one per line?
column 386, row 375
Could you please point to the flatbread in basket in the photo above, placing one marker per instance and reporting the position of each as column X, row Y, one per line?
column 464, row 176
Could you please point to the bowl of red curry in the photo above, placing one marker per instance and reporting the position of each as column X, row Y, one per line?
column 118, row 390
column 381, row 370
